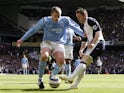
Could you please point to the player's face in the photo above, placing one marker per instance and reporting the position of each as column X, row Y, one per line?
column 80, row 17
column 55, row 16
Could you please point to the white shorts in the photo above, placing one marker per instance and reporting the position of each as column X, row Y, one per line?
column 68, row 52
column 24, row 66
column 53, row 46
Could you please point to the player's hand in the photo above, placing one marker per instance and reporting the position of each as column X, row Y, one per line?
column 78, row 38
column 90, row 45
column 19, row 42
column 81, row 53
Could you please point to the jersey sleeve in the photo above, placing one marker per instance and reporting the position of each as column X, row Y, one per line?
column 33, row 30
column 94, row 24
column 72, row 24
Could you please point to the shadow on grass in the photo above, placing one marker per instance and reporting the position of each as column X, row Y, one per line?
column 29, row 90
column 46, row 89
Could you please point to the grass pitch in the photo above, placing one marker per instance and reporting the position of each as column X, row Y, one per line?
column 89, row 84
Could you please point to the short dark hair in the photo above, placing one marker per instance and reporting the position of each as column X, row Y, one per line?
column 56, row 9
column 80, row 10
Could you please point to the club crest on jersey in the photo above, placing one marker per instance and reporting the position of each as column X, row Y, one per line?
column 95, row 27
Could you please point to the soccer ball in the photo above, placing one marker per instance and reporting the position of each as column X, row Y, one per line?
column 54, row 82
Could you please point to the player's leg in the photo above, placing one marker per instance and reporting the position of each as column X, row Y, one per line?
column 77, row 81
column 59, row 57
column 26, row 70
column 68, row 67
column 85, row 61
column 79, row 69
column 45, row 52
column 58, row 54
column 97, row 53
column 98, row 50
column 68, row 58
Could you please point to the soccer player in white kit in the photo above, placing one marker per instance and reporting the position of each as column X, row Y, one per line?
column 54, row 29
column 92, row 46
column 99, row 65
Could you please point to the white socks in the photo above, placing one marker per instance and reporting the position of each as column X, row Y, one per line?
column 79, row 69
column 78, row 78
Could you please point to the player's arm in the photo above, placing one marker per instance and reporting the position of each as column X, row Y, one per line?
column 72, row 24
column 33, row 30
column 75, row 37
column 83, row 45
column 97, row 35
column 97, row 29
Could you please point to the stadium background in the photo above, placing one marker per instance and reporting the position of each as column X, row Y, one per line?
column 17, row 16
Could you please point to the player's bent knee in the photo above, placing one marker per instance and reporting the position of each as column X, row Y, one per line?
column 88, row 59
column 60, row 62
column 43, row 58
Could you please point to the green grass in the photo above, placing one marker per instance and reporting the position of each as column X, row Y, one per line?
column 89, row 84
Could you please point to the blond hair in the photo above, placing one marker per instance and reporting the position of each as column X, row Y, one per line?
column 56, row 9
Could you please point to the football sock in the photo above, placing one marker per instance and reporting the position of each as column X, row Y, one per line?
column 68, row 69
column 79, row 77
column 81, row 67
column 56, row 70
column 41, row 69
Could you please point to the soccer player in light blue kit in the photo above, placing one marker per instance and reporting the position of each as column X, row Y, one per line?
column 25, row 64
column 54, row 28
column 69, row 50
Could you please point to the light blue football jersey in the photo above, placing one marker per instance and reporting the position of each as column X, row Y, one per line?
column 70, row 33
column 54, row 31
column 24, row 60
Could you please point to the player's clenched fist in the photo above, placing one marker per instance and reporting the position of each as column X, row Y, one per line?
column 19, row 42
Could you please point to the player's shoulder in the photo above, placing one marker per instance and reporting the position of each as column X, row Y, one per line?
column 64, row 17
column 91, row 21
column 47, row 18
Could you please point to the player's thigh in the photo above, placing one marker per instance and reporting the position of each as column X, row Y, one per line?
column 59, row 57
column 45, row 50
column 98, row 50
column 58, row 53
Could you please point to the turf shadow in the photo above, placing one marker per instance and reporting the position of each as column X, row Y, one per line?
column 45, row 89
column 29, row 90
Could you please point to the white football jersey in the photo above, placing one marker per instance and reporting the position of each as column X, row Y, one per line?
column 91, row 26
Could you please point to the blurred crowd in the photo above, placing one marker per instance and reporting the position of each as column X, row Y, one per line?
column 10, row 61
column 112, row 23
column 113, row 62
